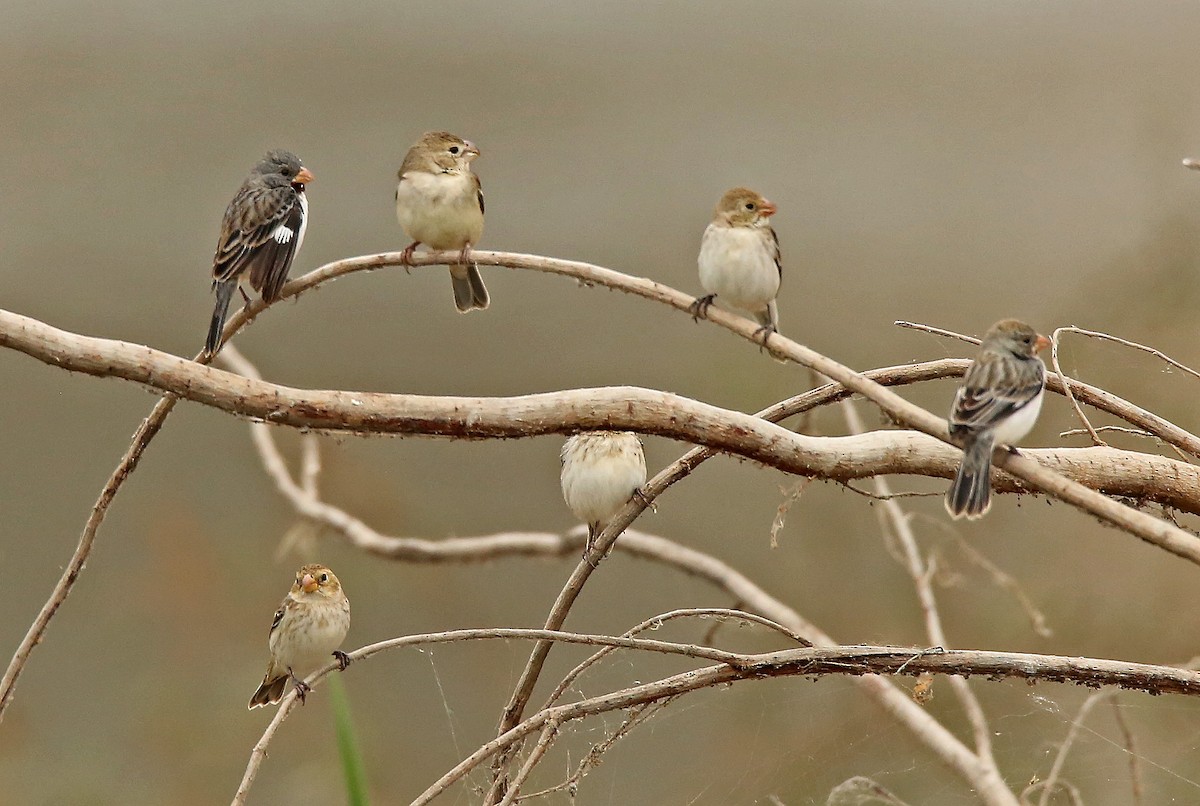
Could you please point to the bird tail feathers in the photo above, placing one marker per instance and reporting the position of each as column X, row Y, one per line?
column 271, row 691
column 970, row 495
column 469, row 291
column 224, row 294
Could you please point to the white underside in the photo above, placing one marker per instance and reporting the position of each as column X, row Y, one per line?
column 596, row 489
column 738, row 265
column 303, row 221
column 311, row 648
column 439, row 210
column 1012, row 430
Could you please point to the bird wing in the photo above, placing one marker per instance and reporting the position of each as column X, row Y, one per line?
column 478, row 192
column 775, row 253
column 278, row 616
column 996, row 387
column 259, row 234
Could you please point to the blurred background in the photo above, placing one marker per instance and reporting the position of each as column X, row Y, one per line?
column 944, row 163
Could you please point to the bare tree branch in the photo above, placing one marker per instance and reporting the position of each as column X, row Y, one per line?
column 626, row 408
column 735, row 667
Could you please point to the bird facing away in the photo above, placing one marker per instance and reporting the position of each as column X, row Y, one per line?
column 601, row 471
column 998, row 403
column 261, row 233
column 439, row 203
column 739, row 259
column 309, row 626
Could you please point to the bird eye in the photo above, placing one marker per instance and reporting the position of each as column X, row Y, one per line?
column 324, row 578
column 454, row 149
column 749, row 205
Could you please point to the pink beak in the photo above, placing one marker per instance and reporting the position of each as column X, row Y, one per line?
column 308, row 583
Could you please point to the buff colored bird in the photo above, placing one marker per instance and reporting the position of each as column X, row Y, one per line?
column 739, row 259
column 439, row 203
column 308, row 628
column 601, row 471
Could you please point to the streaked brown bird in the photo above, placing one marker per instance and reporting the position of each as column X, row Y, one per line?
column 308, row 628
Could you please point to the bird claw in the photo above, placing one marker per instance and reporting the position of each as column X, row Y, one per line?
column 765, row 331
column 699, row 308
column 302, row 689
column 407, row 255
column 343, row 659
column 645, row 499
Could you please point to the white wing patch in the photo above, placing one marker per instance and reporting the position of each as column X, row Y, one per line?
column 282, row 234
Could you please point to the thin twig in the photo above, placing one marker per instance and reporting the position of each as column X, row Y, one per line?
column 1131, row 751
column 1087, row 424
column 1117, row 429
column 654, row 622
column 635, row 717
column 1008, row 582
column 535, row 755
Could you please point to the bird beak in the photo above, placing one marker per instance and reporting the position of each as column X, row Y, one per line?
column 1041, row 344
column 472, row 152
column 303, row 178
column 766, row 209
column 308, row 583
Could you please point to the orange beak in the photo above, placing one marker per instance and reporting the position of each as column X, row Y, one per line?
column 766, row 209
column 308, row 583
column 1041, row 344
column 303, row 178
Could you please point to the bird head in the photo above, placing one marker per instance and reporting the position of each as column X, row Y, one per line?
column 742, row 207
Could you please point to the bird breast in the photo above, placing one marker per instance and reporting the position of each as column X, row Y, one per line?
column 596, row 487
column 439, row 210
column 1019, row 423
column 738, row 265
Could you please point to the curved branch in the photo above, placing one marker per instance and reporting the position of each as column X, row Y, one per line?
column 733, row 667
column 628, row 408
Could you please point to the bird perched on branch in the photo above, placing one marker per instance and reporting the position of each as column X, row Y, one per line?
column 439, row 203
column 601, row 471
column 309, row 626
column 261, row 233
column 998, row 403
column 739, row 259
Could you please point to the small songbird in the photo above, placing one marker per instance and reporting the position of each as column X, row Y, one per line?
column 998, row 403
column 309, row 626
column 261, row 233
column 739, row 259
column 439, row 203
column 601, row 471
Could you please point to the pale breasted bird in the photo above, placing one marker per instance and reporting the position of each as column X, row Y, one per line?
column 308, row 628
column 998, row 403
column 601, row 471
column 439, row 203
column 739, row 259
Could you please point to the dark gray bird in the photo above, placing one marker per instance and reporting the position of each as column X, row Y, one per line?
column 261, row 233
column 998, row 402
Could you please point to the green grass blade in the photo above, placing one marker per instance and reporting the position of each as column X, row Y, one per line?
column 352, row 761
